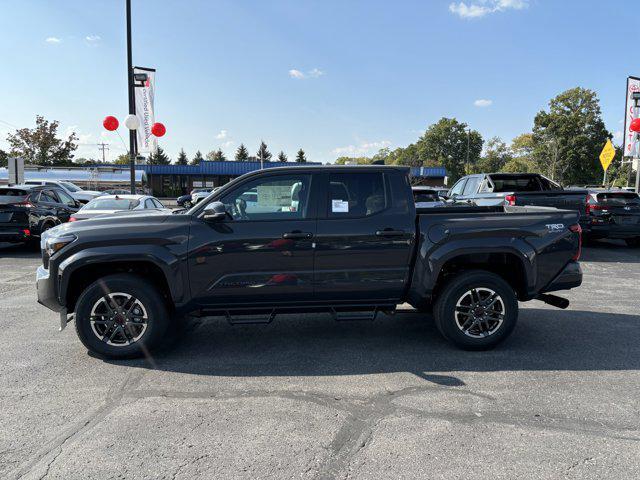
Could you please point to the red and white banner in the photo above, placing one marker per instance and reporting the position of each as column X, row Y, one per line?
column 630, row 148
column 147, row 143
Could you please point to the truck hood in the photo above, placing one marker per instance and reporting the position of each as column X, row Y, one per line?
column 134, row 220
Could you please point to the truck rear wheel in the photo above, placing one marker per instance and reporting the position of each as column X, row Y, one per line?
column 121, row 316
column 476, row 310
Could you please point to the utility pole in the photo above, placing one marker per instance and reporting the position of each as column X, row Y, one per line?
column 468, row 144
column 103, row 146
column 132, row 103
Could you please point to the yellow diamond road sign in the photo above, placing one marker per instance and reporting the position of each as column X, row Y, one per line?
column 608, row 152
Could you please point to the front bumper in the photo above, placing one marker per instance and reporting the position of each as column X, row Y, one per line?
column 46, row 288
column 569, row 277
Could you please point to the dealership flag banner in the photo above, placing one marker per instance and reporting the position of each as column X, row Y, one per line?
column 147, row 143
column 633, row 85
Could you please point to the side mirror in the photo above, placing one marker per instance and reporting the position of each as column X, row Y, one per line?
column 215, row 211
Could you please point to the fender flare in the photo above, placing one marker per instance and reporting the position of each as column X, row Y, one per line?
column 432, row 262
column 157, row 255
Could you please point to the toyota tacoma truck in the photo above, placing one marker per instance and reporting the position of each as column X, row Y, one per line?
column 345, row 240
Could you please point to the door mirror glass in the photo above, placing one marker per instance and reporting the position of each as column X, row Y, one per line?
column 215, row 211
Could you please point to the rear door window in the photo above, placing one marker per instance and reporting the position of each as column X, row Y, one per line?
column 472, row 186
column 355, row 195
column 48, row 196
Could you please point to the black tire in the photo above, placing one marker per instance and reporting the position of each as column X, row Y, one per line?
column 156, row 324
column 633, row 242
column 448, row 320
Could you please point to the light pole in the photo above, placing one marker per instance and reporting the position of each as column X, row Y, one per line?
column 133, row 153
column 635, row 127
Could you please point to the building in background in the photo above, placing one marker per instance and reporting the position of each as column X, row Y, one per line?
column 175, row 180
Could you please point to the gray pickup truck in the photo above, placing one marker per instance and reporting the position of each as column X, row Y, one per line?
column 517, row 189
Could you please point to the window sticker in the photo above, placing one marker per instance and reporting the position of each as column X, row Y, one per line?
column 339, row 206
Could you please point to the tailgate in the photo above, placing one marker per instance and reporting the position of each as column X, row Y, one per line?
column 575, row 200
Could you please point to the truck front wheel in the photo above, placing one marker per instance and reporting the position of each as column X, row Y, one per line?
column 121, row 316
column 476, row 310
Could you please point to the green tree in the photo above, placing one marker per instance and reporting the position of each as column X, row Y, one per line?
column 122, row 159
column 216, row 156
column 352, row 161
column 4, row 158
column 569, row 137
column 282, row 157
column 497, row 155
column 450, row 144
column 263, row 154
column 197, row 159
column 159, row 158
column 182, row 158
column 301, row 157
column 242, row 154
column 41, row 145
column 520, row 165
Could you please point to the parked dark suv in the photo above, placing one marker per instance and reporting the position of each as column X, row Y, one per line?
column 613, row 214
column 27, row 211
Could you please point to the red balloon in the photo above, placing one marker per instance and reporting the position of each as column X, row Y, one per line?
column 110, row 123
column 158, row 129
column 635, row 125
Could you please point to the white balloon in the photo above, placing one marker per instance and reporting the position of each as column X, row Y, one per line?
column 132, row 122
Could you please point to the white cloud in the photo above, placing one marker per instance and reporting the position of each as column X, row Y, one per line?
column 617, row 135
column 480, row 8
column 483, row 102
column 222, row 135
column 53, row 40
column 300, row 75
column 293, row 73
column 315, row 73
column 92, row 39
column 361, row 149
column 228, row 143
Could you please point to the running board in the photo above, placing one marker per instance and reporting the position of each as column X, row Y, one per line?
column 241, row 318
column 354, row 315
column 553, row 300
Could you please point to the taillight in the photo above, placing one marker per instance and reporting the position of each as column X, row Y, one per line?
column 511, row 200
column 26, row 204
column 73, row 219
column 593, row 205
column 26, row 232
column 577, row 229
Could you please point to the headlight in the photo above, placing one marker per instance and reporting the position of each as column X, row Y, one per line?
column 54, row 243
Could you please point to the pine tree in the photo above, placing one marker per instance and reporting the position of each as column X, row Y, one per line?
column 242, row 154
column 282, row 157
column 219, row 156
column 263, row 154
column 160, row 158
column 182, row 158
column 197, row 159
column 300, row 157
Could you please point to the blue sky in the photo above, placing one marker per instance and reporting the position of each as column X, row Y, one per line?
column 333, row 77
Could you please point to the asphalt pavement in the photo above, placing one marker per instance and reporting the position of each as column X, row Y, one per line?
column 307, row 397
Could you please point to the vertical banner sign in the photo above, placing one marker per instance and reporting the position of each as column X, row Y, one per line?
column 629, row 147
column 147, row 143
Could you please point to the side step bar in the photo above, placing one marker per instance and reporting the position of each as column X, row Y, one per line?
column 340, row 313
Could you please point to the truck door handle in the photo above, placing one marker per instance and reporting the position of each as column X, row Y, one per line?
column 388, row 232
column 297, row 235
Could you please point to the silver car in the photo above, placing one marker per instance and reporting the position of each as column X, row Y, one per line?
column 109, row 204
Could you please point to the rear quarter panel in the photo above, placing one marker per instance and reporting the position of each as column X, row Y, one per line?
column 541, row 241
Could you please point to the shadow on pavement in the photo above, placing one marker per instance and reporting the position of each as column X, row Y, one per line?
column 9, row 250
column 408, row 342
column 609, row 251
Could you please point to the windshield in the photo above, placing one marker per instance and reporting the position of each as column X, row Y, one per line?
column 619, row 198
column 111, row 204
column 70, row 186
